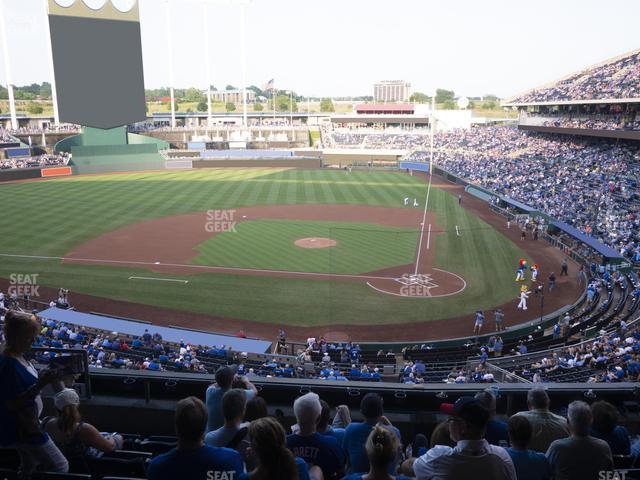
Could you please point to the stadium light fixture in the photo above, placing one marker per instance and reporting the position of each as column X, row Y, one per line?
column 170, row 58
column 54, row 92
column 205, row 17
column 7, row 67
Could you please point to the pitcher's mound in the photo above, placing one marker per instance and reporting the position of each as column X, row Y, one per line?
column 315, row 242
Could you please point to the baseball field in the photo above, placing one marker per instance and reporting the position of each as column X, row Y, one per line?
column 278, row 246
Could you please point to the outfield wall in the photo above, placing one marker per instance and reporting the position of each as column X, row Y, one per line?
column 289, row 162
column 112, row 150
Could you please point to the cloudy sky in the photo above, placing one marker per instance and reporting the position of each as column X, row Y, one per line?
column 341, row 47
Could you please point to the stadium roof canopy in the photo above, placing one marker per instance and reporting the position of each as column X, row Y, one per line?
column 519, row 205
column 599, row 247
column 169, row 334
column 385, row 108
column 626, row 69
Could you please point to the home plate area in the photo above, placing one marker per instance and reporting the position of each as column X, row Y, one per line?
column 437, row 283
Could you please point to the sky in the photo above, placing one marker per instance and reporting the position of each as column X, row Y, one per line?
column 342, row 47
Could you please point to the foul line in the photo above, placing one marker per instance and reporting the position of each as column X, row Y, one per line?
column 457, row 231
column 160, row 279
column 201, row 267
column 424, row 219
column 429, row 237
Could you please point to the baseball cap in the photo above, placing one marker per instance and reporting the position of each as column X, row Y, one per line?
column 65, row 398
column 469, row 409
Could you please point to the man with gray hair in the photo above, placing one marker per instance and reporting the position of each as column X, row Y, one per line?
column 313, row 447
column 546, row 426
column 579, row 457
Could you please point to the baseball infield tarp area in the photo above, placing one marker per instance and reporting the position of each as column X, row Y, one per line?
column 169, row 334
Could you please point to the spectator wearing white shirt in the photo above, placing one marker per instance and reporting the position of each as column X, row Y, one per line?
column 473, row 457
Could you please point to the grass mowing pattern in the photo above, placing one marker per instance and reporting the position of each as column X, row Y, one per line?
column 51, row 217
column 269, row 244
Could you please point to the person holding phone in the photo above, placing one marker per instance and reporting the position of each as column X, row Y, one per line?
column 20, row 401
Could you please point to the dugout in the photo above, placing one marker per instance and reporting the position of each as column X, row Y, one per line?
column 608, row 255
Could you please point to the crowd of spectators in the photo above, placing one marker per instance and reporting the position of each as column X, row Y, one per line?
column 591, row 184
column 594, row 123
column 46, row 160
column 232, row 435
column 50, row 128
column 617, row 79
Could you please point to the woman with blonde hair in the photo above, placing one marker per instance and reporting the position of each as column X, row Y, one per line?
column 382, row 450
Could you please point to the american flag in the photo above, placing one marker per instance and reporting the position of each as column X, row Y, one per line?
column 269, row 86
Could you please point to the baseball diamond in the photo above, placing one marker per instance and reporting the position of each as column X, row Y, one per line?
column 231, row 234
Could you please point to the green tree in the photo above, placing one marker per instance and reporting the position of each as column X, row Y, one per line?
column 491, row 105
column 257, row 107
column 45, row 90
column 449, row 105
column 326, row 105
column 419, row 97
column 472, row 105
column 194, row 95
column 230, row 87
column 283, row 104
column 34, row 108
column 176, row 105
column 443, row 96
column 230, row 107
column 490, row 97
column 202, row 106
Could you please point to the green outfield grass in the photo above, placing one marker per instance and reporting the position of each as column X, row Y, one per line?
column 50, row 218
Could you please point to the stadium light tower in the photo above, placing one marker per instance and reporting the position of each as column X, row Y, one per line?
column 170, row 55
column 243, row 56
column 205, row 17
column 54, row 93
column 7, row 67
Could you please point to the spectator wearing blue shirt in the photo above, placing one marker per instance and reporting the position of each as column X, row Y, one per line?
column 20, row 402
column 356, row 434
column 233, row 409
column 323, row 424
column 274, row 459
column 529, row 464
column 192, row 458
column 605, row 427
column 313, row 447
column 224, row 379
column 496, row 432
